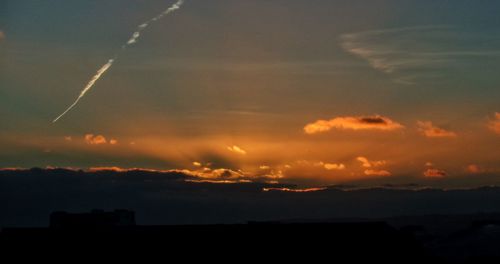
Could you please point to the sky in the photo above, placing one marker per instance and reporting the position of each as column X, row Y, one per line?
column 307, row 92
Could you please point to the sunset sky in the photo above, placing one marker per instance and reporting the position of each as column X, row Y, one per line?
column 308, row 92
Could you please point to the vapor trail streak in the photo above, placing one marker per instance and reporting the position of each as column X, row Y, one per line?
column 135, row 36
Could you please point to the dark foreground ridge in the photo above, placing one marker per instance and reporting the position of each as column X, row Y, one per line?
column 394, row 240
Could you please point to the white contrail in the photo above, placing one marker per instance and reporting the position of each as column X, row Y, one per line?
column 135, row 36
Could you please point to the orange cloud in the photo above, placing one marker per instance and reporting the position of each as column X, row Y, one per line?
column 429, row 130
column 369, row 163
column 434, row 173
column 494, row 124
column 95, row 140
column 333, row 166
column 377, row 173
column 98, row 169
column 375, row 122
column 216, row 174
column 197, row 164
column 237, row 150
column 293, row 190
column 113, row 141
column 474, row 169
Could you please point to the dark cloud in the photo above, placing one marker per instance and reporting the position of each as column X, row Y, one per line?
column 27, row 197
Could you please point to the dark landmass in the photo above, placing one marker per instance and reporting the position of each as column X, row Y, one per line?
column 177, row 215
column 411, row 239
column 27, row 197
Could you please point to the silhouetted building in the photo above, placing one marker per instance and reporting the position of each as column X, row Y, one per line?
column 94, row 219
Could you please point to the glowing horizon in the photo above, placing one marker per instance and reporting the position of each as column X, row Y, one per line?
column 334, row 93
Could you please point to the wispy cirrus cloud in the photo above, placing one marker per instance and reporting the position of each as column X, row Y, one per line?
column 429, row 130
column 406, row 53
column 375, row 122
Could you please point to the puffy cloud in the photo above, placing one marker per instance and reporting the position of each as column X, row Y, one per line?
column 494, row 124
column 474, row 169
column 375, row 122
column 319, row 164
column 334, row 166
column 377, row 173
column 429, row 130
column 237, row 150
column 370, row 163
column 434, row 173
column 95, row 140
column 92, row 139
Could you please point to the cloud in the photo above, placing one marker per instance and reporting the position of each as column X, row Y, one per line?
column 434, row 173
column 474, row 169
column 68, row 138
column 334, row 166
column 264, row 167
column 197, row 164
column 92, row 139
column 294, row 190
column 237, row 150
column 216, row 174
column 375, row 122
column 2, row 35
column 369, row 164
column 429, row 130
column 412, row 53
column 494, row 124
column 377, row 173
column 318, row 164
column 95, row 139
column 37, row 192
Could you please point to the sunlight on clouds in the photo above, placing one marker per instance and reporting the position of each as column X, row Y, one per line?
column 494, row 124
column 369, row 164
column 377, row 173
column 474, row 169
column 429, row 130
column 293, row 190
column 95, row 139
column 434, row 173
column 333, row 166
column 237, row 150
column 375, row 122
